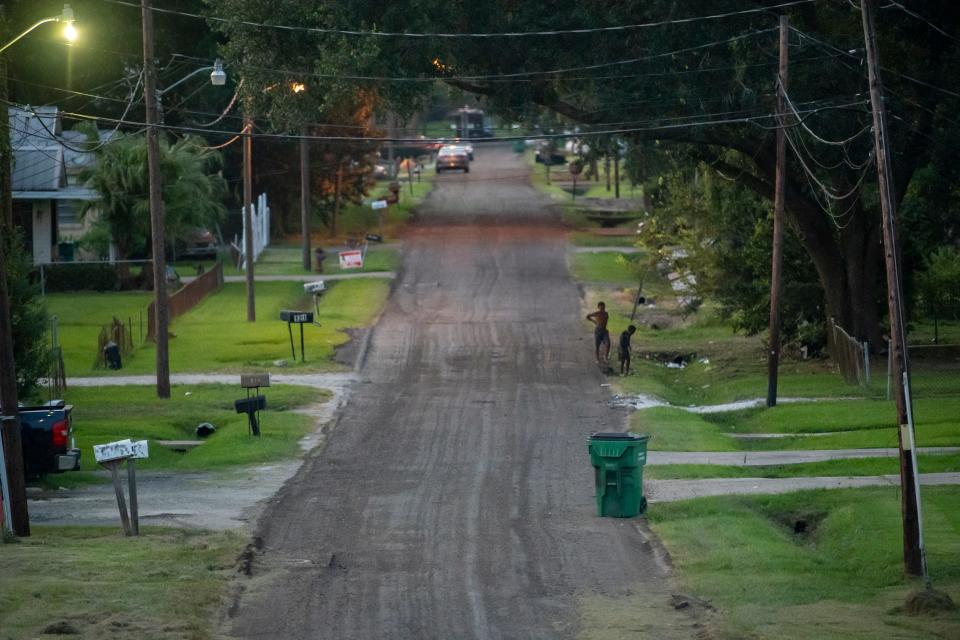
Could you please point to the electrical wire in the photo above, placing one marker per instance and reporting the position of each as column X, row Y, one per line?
column 882, row 68
column 505, row 34
column 921, row 19
column 754, row 120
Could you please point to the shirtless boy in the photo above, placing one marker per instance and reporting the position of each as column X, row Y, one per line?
column 601, row 337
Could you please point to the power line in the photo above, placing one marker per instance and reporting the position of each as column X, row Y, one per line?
column 851, row 55
column 505, row 34
column 921, row 19
column 617, row 131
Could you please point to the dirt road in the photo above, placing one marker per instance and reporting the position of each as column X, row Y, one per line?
column 454, row 498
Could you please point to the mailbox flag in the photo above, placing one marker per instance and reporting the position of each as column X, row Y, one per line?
column 351, row 259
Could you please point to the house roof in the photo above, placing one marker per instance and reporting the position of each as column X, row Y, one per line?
column 41, row 160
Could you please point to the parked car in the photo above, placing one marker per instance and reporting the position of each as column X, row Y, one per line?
column 46, row 436
column 199, row 243
column 453, row 158
column 464, row 146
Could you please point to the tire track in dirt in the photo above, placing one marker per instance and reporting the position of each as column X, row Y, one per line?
column 455, row 498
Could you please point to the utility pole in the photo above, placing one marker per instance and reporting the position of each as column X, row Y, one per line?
column 773, row 356
column 157, row 233
column 914, row 558
column 248, row 213
column 8, row 375
column 6, row 149
column 12, row 446
column 305, row 195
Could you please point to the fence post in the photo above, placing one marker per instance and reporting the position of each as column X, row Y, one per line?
column 866, row 360
column 889, row 366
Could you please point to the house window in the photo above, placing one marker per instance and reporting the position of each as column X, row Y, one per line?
column 68, row 212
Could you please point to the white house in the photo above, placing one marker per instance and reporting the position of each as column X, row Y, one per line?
column 47, row 195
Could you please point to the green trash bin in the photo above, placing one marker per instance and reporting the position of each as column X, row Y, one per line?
column 66, row 251
column 519, row 146
column 618, row 460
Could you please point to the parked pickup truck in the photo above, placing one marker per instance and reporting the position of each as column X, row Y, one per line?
column 46, row 434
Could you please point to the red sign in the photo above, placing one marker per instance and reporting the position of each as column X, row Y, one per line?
column 351, row 259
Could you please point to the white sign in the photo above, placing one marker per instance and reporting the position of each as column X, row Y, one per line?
column 378, row 204
column 120, row 450
column 140, row 449
column 351, row 259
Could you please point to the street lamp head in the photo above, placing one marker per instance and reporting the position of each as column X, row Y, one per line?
column 218, row 76
column 69, row 31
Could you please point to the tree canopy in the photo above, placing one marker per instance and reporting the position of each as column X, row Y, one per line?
column 707, row 85
column 193, row 190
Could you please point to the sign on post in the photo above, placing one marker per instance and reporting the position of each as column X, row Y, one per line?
column 254, row 380
column 351, row 259
column 111, row 455
column 378, row 204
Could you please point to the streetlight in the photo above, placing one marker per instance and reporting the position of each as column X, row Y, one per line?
column 69, row 32
column 218, row 78
column 8, row 379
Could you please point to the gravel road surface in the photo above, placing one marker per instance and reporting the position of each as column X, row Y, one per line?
column 454, row 498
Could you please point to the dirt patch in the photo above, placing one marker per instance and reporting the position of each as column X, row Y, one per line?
column 928, row 602
column 802, row 524
column 348, row 352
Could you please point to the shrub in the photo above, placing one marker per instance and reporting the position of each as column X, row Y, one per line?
column 79, row 276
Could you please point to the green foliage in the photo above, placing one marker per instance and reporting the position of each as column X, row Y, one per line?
column 77, row 276
column 28, row 316
column 938, row 288
column 193, row 190
column 726, row 231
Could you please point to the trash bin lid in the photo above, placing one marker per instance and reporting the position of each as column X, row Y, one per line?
column 617, row 435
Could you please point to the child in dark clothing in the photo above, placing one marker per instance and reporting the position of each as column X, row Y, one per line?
column 625, row 349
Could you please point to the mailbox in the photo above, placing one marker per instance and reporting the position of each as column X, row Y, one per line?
column 297, row 317
column 250, row 406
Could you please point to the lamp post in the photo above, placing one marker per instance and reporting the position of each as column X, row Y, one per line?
column 12, row 446
column 66, row 16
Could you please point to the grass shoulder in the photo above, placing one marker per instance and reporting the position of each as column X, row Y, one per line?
column 829, row 558
column 92, row 582
column 104, row 414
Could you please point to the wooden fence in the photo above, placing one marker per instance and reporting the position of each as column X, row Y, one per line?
column 187, row 297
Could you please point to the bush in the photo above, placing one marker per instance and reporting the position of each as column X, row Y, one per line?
column 79, row 276
column 27, row 315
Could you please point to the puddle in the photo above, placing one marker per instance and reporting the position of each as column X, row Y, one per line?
column 641, row 401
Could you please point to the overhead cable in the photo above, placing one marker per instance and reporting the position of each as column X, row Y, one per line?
column 504, row 34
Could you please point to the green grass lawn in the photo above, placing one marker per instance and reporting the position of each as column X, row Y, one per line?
column 840, row 577
column 104, row 414
column 609, row 267
column 288, row 261
column 215, row 336
column 859, row 423
column 165, row 584
column 832, row 468
column 589, row 239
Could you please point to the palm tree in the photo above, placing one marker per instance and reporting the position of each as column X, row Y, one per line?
column 193, row 191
